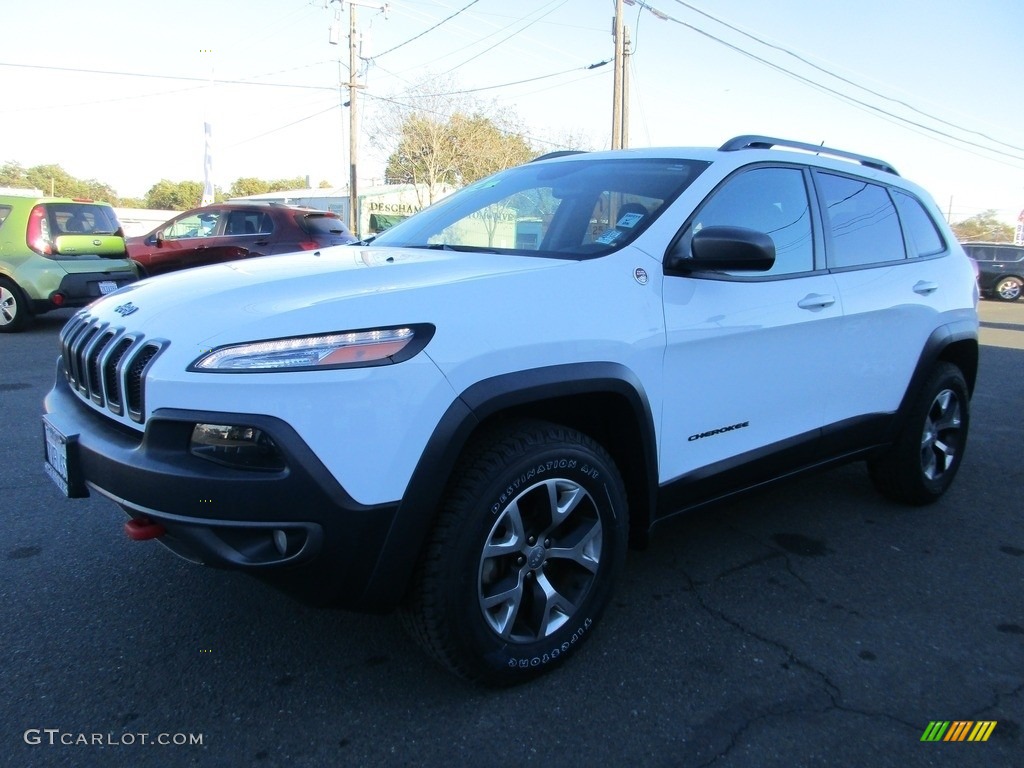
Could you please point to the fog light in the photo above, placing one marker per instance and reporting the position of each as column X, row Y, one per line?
column 243, row 447
column 281, row 541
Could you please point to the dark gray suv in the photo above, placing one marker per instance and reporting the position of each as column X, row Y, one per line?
column 1000, row 269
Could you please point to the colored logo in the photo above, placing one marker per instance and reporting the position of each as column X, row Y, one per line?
column 958, row 730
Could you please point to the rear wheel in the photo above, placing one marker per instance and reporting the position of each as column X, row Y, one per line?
column 921, row 464
column 523, row 556
column 1008, row 289
column 14, row 313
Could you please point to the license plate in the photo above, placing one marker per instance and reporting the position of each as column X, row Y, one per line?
column 60, row 463
column 107, row 286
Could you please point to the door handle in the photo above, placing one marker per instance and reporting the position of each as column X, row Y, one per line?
column 816, row 301
column 924, row 287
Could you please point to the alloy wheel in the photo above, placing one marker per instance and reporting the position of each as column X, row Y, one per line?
column 539, row 560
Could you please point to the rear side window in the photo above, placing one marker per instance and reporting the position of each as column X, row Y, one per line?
column 923, row 236
column 1011, row 254
column 980, row 254
column 249, row 223
column 4, row 211
column 863, row 222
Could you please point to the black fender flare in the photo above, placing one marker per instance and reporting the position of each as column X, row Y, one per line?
column 480, row 402
column 961, row 335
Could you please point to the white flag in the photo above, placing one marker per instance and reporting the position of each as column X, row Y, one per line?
column 208, row 168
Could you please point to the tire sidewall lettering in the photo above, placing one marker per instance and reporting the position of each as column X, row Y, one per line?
column 539, row 471
column 542, row 658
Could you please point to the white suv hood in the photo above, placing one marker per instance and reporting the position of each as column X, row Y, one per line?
column 337, row 288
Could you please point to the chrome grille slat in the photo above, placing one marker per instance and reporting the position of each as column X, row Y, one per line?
column 133, row 391
column 91, row 367
column 112, row 377
column 106, row 366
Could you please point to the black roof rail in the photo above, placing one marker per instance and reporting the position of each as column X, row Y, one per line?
column 559, row 153
column 767, row 142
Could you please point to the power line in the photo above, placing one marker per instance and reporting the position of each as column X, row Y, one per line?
column 431, row 29
column 514, row 82
column 808, row 81
column 830, row 73
column 204, row 80
column 507, row 38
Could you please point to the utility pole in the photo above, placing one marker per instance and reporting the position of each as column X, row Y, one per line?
column 353, row 85
column 620, row 88
column 353, row 143
column 617, row 83
column 624, row 110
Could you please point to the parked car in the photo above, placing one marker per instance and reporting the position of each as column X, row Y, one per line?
column 471, row 416
column 57, row 252
column 1000, row 269
column 230, row 231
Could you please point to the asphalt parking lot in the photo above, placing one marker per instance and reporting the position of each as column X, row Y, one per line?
column 814, row 624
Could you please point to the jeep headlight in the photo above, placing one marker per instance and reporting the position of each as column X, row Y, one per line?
column 352, row 349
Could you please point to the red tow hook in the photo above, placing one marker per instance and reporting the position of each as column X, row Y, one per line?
column 143, row 529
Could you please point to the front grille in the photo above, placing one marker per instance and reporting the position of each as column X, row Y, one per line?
column 107, row 365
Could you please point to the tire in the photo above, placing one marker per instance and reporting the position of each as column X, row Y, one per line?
column 1008, row 289
column 920, row 466
column 14, row 312
column 522, row 559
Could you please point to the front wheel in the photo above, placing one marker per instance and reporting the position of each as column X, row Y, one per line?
column 1008, row 289
column 921, row 464
column 523, row 556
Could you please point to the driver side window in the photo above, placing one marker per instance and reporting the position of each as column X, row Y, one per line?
column 196, row 225
column 768, row 200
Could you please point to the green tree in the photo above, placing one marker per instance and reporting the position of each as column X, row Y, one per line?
column 247, row 187
column 52, row 179
column 174, row 195
column 486, row 148
column 279, row 185
column 984, row 226
column 457, row 151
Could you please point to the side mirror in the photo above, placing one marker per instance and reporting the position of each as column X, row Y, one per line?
column 159, row 240
column 722, row 248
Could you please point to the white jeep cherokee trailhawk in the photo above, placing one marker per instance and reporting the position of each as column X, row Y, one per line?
column 470, row 416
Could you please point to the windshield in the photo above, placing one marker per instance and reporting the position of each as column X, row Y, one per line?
column 571, row 208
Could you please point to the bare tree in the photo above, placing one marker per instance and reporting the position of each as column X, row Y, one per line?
column 436, row 137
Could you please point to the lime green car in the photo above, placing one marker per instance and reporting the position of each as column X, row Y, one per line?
column 57, row 252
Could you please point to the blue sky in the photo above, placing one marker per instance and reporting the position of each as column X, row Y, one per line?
column 118, row 90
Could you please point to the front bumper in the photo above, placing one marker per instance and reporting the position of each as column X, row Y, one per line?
column 296, row 528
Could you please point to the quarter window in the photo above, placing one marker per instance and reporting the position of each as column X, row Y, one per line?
column 923, row 238
column 862, row 217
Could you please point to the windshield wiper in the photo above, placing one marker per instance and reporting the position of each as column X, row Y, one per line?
column 458, row 248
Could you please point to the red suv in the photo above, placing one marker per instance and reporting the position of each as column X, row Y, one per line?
column 230, row 231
